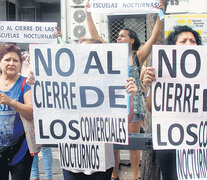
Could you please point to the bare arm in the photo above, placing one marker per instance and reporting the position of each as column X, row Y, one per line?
column 25, row 110
column 91, row 26
column 131, row 88
column 144, row 52
column 148, row 78
column 149, row 100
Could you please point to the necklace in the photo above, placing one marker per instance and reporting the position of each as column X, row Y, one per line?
column 7, row 83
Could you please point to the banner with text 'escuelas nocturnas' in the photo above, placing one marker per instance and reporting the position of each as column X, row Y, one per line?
column 124, row 7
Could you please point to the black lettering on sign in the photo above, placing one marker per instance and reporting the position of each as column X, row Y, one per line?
column 171, row 66
column 47, row 62
column 47, row 65
column 183, row 63
column 159, row 135
column 54, row 131
column 170, row 134
column 191, row 163
column 82, row 156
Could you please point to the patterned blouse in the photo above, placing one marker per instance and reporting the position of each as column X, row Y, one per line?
column 139, row 111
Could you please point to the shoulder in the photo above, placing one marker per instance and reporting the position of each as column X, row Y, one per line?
column 24, row 84
column 21, row 78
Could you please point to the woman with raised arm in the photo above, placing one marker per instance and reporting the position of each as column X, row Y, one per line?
column 136, row 59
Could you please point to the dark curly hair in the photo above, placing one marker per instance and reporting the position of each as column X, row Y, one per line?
column 133, row 35
column 10, row 48
column 172, row 38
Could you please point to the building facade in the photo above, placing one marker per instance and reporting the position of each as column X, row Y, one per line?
column 70, row 16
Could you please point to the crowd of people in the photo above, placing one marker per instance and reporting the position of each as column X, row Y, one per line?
column 16, row 102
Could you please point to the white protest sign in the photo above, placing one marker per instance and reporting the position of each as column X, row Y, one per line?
column 124, row 7
column 27, row 32
column 191, row 164
column 179, row 97
column 79, row 93
column 82, row 156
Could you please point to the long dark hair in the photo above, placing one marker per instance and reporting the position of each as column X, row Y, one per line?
column 133, row 35
column 172, row 38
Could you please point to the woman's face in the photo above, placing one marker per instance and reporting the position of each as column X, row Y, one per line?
column 123, row 37
column 186, row 38
column 10, row 64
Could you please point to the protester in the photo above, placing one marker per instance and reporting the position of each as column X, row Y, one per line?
column 131, row 88
column 15, row 100
column 182, row 35
column 136, row 59
column 47, row 161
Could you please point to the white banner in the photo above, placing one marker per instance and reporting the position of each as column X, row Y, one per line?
column 179, row 97
column 79, row 93
column 27, row 32
column 79, row 156
column 191, row 164
column 124, row 7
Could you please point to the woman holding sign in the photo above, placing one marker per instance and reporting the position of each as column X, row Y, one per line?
column 92, row 174
column 15, row 100
column 182, row 35
column 136, row 59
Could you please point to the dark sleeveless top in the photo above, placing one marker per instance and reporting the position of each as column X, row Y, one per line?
column 134, row 71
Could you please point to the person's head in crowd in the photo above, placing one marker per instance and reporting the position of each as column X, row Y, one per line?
column 184, row 35
column 8, row 52
column 127, row 35
column 10, row 48
column 89, row 41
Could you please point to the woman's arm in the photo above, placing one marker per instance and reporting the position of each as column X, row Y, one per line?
column 143, row 86
column 25, row 110
column 144, row 52
column 131, row 88
column 148, row 78
column 91, row 26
